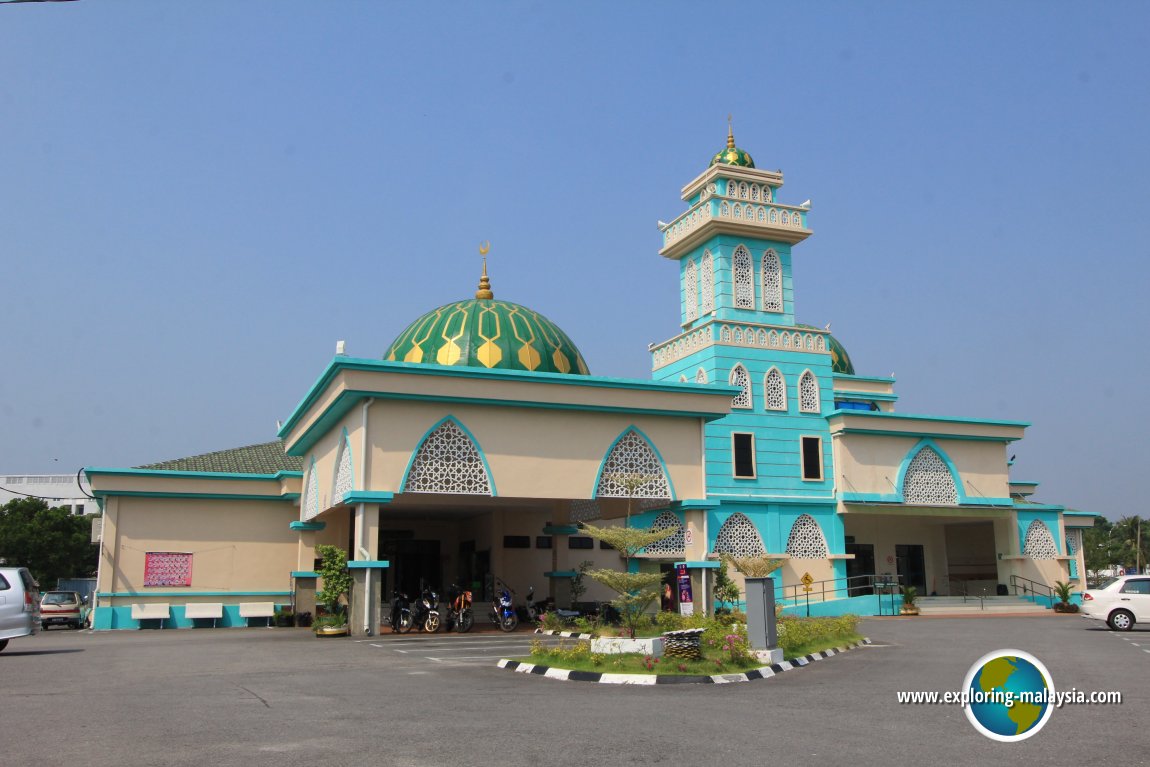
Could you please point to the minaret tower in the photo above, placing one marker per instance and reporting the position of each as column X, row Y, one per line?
column 733, row 248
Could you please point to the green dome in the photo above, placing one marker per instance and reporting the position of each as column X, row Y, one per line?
column 486, row 333
column 732, row 155
column 840, row 360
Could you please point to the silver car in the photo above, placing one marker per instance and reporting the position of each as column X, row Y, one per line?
column 19, row 604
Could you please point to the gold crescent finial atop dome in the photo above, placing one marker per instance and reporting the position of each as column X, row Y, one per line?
column 730, row 133
column 484, row 293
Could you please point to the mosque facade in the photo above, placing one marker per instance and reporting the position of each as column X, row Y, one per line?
column 478, row 443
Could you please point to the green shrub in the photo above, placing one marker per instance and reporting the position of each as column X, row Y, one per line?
column 795, row 633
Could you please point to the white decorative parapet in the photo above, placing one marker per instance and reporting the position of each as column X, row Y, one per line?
column 679, row 347
column 768, row 216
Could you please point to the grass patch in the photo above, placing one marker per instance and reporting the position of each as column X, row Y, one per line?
column 818, row 645
column 635, row 663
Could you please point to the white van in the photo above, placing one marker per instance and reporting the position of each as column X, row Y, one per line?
column 19, row 604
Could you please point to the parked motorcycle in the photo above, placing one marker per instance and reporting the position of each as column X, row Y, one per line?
column 399, row 618
column 426, row 613
column 535, row 609
column 503, row 608
column 459, row 615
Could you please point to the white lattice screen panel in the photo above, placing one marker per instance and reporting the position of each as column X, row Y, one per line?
column 772, row 282
column 809, row 393
column 632, row 470
column 673, row 545
column 707, row 285
column 739, row 537
column 701, row 376
column 343, row 483
column 311, row 503
column 585, row 511
column 744, row 279
column 448, row 462
column 740, row 378
column 776, row 390
column 806, row 540
column 928, row 480
column 691, row 292
column 1039, row 541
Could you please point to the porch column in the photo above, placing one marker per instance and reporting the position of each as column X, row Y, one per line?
column 366, row 569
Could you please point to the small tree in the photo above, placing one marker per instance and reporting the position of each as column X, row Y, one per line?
column 726, row 590
column 578, row 587
column 636, row 590
column 336, row 577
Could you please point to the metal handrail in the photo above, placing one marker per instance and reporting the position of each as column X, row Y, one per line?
column 890, row 583
column 966, row 593
column 1029, row 585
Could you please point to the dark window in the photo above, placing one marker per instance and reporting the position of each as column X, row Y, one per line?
column 543, row 541
column 606, row 546
column 743, row 446
column 1136, row 587
column 812, row 458
column 4, row 585
column 580, row 542
column 517, row 541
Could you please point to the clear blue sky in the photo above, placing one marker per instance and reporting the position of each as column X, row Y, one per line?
column 198, row 199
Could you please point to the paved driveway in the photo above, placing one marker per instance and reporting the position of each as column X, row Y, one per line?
column 280, row 697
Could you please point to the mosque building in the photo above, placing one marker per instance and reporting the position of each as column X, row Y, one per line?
column 477, row 444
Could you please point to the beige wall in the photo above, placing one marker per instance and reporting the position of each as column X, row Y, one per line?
column 870, row 464
column 240, row 546
column 887, row 531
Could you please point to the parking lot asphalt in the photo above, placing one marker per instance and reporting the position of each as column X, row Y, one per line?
column 280, row 696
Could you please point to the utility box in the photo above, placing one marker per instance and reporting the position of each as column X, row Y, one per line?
column 762, row 629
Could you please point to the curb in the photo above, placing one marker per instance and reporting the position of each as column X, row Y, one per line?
column 766, row 672
column 568, row 634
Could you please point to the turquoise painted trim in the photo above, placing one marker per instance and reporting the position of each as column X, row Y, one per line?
column 698, row 503
column 560, row 529
column 368, row 496
column 1022, row 483
column 768, row 497
column 339, row 364
column 872, row 379
column 560, row 574
column 938, row 418
column 284, row 474
column 864, row 605
column 470, row 436
column 1036, row 507
column 297, row 525
column 216, row 496
column 918, row 433
column 120, row 618
column 955, row 477
column 650, row 444
column 996, row 503
column 304, row 574
column 1049, row 518
column 863, row 396
column 193, row 593
column 706, row 564
column 347, row 400
column 368, row 564
column 102, row 472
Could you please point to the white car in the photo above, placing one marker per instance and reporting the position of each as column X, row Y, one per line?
column 1121, row 601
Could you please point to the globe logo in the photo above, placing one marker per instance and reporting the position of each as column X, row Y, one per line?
column 1010, row 695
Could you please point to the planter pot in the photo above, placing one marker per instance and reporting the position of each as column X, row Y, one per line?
column 908, row 610
column 1062, row 607
column 331, row 631
column 652, row 646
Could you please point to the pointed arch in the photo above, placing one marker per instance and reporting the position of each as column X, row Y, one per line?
column 774, row 390
column 741, row 378
column 701, row 376
column 1039, row 542
column 448, row 460
column 311, row 493
column 928, row 479
column 806, row 540
column 632, row 457
column 673, row 545
column 739, row 537
column 772, row 277
column 344, row 474
column 690, row 292
column 809, row 399
column 744, row 278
